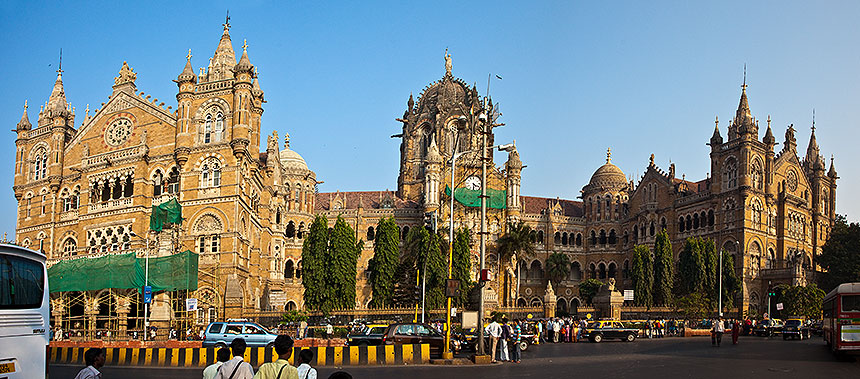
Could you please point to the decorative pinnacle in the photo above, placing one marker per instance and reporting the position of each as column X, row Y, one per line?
column 744, row 86
column 608, row 155
column 227, row 21
column 245, row 45
column 813, row 120
column 25, row 105
column 189, row 55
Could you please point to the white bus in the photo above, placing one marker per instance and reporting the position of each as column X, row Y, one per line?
column 24, row 313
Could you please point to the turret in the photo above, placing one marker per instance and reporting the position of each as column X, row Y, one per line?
column 833, row 176
column 244, row 138
column 24, row 124
column 513, row 170
column 433, row 176
column 716, row 144
column 769, row 142
column 184, row 126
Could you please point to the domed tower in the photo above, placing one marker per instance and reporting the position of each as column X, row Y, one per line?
column 449, row 112
column 605, row 198
column 299, row 181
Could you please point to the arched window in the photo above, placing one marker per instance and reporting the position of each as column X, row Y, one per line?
column 207, row 129
column 575, row 271
column 681, row 224
column 613, row 239
column 601, row 268
column 278, row 217
column 651, row 228
column 289, row 270
column 157, row 183
column 40, row 164
column 173, row 181
column 730, row 174
column 592, row 271
column 128, row 187
column 711, row 217
column 540, row 236
column 291, row 230
column 603, row 237
column 210, row 174
column 771, row 259
column 535, row 270
column 612, row 269
column 301, row 231
column 758, row 182
column 564, row 239
column 556, row 239
column 371, row 234
column 578, row 239
column 695, row 221
column 70, row 246
column 218, row 131
column 757, row 213
column 689, row 223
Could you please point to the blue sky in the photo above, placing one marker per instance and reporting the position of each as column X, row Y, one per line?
column 639, row 77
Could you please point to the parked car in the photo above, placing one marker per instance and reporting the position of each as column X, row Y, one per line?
column 816, row 328
column 597, row 331
column 768, row 328
column 414, row 333
column 221, row 334
column 795, row 328
column 369, row 335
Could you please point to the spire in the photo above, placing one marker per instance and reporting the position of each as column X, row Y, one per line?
column 743, row 112
column 433, row 155
column 832, row 172
column 256, row 90
column 56, row 106
column 812, row 151
column 125, row 80
column 244, row 63
column 716, row 139
column 768, row 135
column 24, row 124
column 608, row 155
column 224, row 59
column 187, row 74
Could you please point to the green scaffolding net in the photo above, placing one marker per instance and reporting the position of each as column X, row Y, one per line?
column 166, row 213
column 496, row 199
column 174, row 272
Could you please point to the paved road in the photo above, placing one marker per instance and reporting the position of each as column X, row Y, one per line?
column 659, row 358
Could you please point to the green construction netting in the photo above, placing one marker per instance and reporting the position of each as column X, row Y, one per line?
column 166, row 213
column 174, row 272
column 496, row 199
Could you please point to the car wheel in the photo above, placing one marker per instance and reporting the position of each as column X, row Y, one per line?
column 220, row 345
column 524, row 345
column 597, row 338
column 630, row 338
column 270, row 345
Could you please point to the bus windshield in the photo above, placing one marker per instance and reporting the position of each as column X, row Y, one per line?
column 21, row 283
column 850, row 303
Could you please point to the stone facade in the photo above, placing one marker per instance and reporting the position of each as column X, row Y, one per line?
column 87, row 189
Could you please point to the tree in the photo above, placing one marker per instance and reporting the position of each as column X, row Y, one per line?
column 462, row 264
column 663, row 269
column 802, row 300
column 694, row 305
column 588, row 289
column 383, row 265
column 557, row 267
column 691, row 268
column 731, row 283
column 314, row 251
column 840, row 256
column 643, row 276
column 516, row 241
column 712, row 264
column 422, row 251
column 341, row 263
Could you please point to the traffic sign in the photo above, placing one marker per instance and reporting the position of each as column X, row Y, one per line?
column 452, row 288
column 779, row 306
column 147, row 294
column 191, row 304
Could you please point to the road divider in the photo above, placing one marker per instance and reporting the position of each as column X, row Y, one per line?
column 202, row 357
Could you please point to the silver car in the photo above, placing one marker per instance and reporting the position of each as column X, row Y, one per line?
column 221, row 334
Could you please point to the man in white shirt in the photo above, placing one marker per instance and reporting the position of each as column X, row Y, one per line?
column 718, row 331
column 236, row 368
column 305, row 369
column 223, row 355
column 95, row 359
column 494, row 330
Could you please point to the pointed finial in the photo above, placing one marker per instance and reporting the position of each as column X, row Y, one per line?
column 608, row 155
column 25, row 105
column 813, row 120
column 227, row 21
column 768, row 121
column 717, row 122
column 245, row 45
column 744, row 86
column 60, row 67
column 189, row 55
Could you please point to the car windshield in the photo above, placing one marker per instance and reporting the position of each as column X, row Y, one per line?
column 593, row 325
column 850, row 303
column 767, row 322
column 792, row 323
column 377, row 330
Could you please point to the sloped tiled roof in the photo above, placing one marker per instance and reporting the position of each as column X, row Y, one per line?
column 696, row 187
column 535, row 205
column 369, row 200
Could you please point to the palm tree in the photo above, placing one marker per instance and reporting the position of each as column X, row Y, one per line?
column 516, row 241
column 557, row 267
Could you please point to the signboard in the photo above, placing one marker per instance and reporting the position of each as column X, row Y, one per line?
column 470, row 319
column 452, row 288
column 486, row 275
column 147, row 294
column 453, row 311
column 779, row 306
column 628, row 295
column 191, row 304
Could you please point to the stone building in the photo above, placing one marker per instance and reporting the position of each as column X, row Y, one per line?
column 86, row 188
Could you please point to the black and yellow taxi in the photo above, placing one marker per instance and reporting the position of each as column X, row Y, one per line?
column 597, row 331
column 795, row 327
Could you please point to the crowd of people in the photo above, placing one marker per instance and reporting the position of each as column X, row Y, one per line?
column 505, row 340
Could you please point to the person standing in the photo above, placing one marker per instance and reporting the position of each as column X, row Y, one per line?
column 236, row 368
column 223, row 355
column 305, row 370
column 95, row 359
column 506, row 336
column 280, row 368
column 539, row 331
column 736, row 331
column 516, row 336
column 717, row 332
column 494, row 330
column 329, row 330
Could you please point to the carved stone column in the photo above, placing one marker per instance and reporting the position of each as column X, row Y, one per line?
column 549, row 301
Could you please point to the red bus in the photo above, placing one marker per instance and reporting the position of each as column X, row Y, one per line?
column 842, row 319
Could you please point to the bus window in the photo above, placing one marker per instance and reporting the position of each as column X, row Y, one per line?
column 850, row 303
column 21, row 283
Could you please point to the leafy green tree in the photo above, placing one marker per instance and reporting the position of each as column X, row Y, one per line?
column 462, row 264
column 712, row 264
column 693, row 306
column 293, row 316
column 802, row 300
column 642, row 274
column 422, row 251
column 383, row 265
column 663, row 269
column 691, row 268
column 341, row 265
column 840, row 256
column 314, row 251
column 588, row 289
column 517, row 240
column 557, row 267
column 731, row 282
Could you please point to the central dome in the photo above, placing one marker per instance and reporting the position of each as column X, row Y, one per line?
column 608, row 174
column 290, row 159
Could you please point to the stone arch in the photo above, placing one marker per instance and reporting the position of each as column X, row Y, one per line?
column 575, row 271
column 561, row 307
column 536, row 270
column 215, row 212
column 290, row 230
column 289, row 269
column 612, row 269
column 208, row 223
column 601, row 270
column 521, row 302
column 290, row 306
column 536, row 302
column 578, row 239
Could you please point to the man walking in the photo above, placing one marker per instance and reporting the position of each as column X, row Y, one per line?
column 280, row 368
column 494, row 330
column 717, row 332
column 236, row 368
